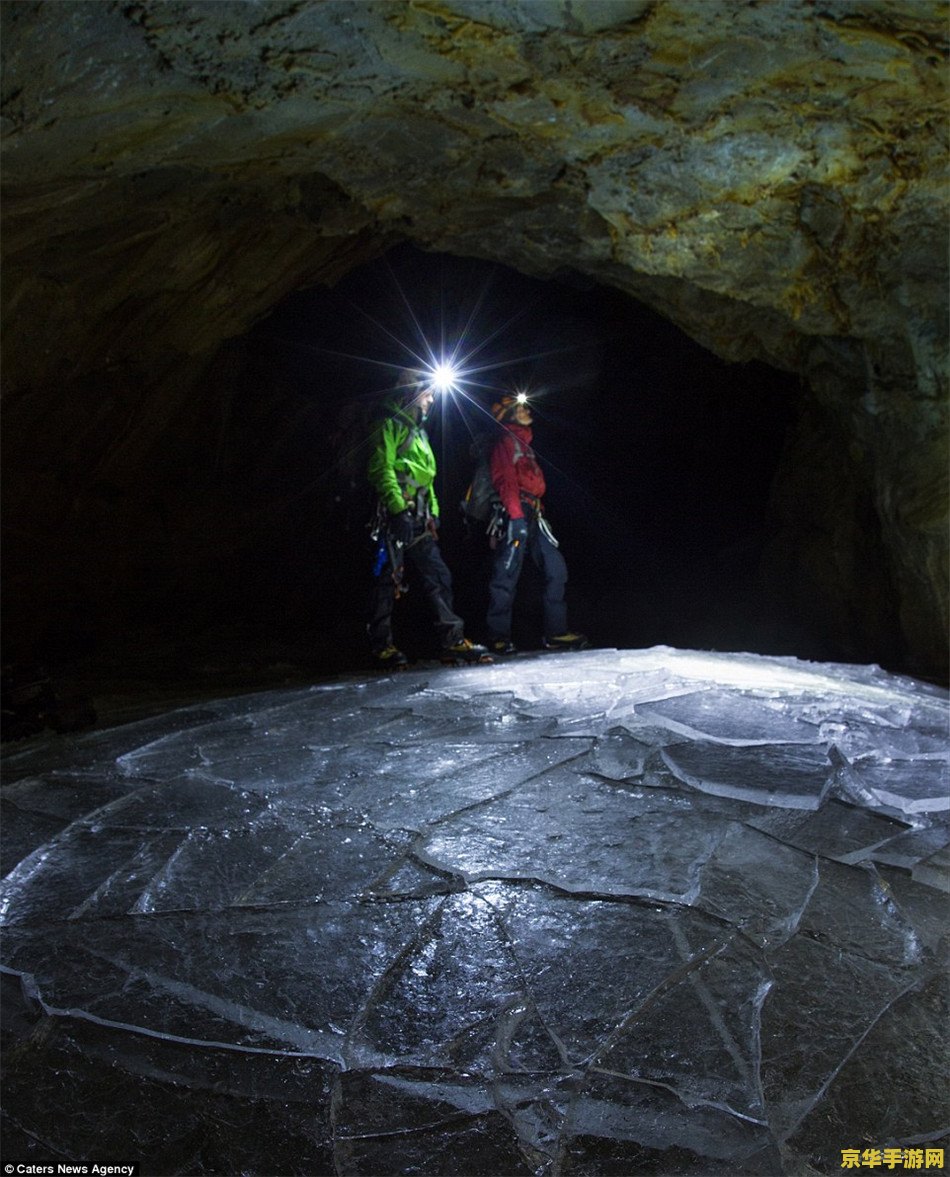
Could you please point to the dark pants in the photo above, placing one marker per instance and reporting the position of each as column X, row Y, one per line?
column 506, row 570
column 425, row 561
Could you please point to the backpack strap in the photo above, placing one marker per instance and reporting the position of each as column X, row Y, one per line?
column 520, row 451
column 415, row 431
column 421, row 495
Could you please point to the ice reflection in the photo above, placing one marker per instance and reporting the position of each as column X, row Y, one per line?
column 616, row 911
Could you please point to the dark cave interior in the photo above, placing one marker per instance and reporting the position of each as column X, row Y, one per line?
column 659, row 460
column 675, row 904
column 658, row 456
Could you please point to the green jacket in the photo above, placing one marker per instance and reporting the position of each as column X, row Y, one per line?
column 402, row 462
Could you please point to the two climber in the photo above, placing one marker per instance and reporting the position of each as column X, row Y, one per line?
column 401, row 470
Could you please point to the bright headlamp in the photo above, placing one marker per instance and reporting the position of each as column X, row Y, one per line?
column 442, row 378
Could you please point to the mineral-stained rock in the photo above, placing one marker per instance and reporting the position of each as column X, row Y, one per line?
column 770, row 176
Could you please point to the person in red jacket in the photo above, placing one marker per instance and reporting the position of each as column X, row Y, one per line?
column 519, row 483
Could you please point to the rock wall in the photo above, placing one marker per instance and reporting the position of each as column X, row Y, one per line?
column 769, row 175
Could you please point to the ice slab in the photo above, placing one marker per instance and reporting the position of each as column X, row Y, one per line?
column 842, row 832
column 901, row 1053
column 301, row 978
column 580, row 834
column 433, row 1122
column 792, row 776
column 416, row 1018
column 61, row 877
column 285, row 1102
column 613, row 912
column 758, row 884
column 822, row 1003
column 913, row 846
column 341, row 862
column 899, row 786
column 699, row 1036
column 413, row 803
column 730, row 717
column 935, row 870
column 213, row 869
column 662, row 1134
column 24, row 832
column 63, row 798
column 926, row 912
column 853, row 910
column 590, row 965
column 619, row 756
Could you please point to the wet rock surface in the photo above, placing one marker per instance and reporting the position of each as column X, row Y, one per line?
column 612, row 912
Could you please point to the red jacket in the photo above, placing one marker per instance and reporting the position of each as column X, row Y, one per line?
column 511, row 478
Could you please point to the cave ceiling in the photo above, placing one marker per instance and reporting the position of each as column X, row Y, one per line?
column 759, row 171
column 769, row 175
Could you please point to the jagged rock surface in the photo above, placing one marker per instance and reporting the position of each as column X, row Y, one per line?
column 770, row 176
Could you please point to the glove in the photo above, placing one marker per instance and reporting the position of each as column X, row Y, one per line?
column 401, row 528
column 517, row 531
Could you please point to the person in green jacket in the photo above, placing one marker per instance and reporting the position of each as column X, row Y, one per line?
column 401, row 470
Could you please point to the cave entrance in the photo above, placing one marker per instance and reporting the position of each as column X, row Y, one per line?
column 659, row 456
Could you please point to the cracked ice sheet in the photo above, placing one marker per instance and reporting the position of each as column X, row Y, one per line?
column 935, row 870
column 68, row 799
column 297, row 722
column 589, row 965
column 24, row 833
column 105, row 861
column 757, row 884
column 91, row 750
column 905, row 1051
column 261, row 864
column 252, row 745
column 82, row 868
column 699, row 1036
column 670, row 1136
column 852, row 910
column 351, row 777
column 405, row 803
column 281, row 980
column 792, row 776
column 913, row 846
column 728, row 717
column 434, row 1123
column 158, row 1083
column 214, row 869
column 583, row 835
column 836, row 830
column 618, row 756
column 926, row 913
column 36, row 809
column 900, row 786
column 485, row 715
column 573, row 702
column 837, row 997
column 574, row 974
column 439, row 1007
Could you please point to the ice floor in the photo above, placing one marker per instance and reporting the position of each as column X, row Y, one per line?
column 619, row 912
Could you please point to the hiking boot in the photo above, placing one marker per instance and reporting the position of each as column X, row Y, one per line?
column 503, row 646
column 464, row 652
column 566, row 641
column 389, row 658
